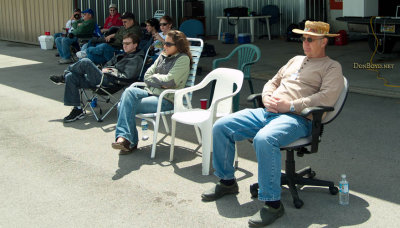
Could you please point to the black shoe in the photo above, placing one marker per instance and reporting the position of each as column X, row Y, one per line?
column 219, row 190
column 76, row 114
column 266, row 216
column 57, row 54
column 57, row 79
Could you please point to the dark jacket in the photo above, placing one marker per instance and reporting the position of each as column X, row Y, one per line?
column 126, row 66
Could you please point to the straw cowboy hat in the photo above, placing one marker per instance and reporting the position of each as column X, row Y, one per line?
column 315, row 28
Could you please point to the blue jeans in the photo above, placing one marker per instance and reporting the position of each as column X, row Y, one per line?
column 64, row 46
column 82, row 74
column 269, row 131
column 56, row 35
column 136, row 101
column 100, row 53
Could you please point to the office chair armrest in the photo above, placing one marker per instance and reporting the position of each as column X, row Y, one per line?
column 317, row 111
column 257, row 97
column 317, row 127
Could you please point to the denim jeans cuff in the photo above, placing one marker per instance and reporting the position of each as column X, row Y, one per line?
column 261, row 198
column 224, row 177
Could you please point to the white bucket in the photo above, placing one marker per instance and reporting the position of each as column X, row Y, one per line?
column 46, row 42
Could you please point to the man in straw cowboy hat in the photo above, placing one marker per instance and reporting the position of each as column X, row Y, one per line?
column 310, row 80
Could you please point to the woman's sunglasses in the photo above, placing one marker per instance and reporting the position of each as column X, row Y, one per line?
column 163, row 24
column 169, row 44
column 309, row 39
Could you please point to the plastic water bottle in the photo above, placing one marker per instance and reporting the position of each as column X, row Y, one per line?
column 93, row 103
column 144, row 130
column 343, row 191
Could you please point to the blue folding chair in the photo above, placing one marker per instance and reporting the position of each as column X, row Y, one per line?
column 192, row 28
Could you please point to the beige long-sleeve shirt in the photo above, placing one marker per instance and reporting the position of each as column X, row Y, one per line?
column 307, row 82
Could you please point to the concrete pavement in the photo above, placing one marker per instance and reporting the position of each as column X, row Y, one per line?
column 67, row 175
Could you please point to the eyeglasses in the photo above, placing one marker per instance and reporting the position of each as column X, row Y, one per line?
column 309, row 39
column 169, row 44
column 163, row 24
column 126, row 43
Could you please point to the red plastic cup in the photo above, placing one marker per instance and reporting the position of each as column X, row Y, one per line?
column 47, row 33
column 203, row 103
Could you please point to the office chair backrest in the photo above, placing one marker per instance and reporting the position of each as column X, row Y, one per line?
column 330, row 116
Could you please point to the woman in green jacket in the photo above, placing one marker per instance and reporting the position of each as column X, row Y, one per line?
column 169, row 71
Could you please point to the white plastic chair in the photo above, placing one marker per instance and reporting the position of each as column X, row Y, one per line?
column 154, row 118
column 159, row 14
column 221, row 105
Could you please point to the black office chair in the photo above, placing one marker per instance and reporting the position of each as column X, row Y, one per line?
column 291, row 177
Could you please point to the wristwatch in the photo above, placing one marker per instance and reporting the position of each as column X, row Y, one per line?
column 292, row 107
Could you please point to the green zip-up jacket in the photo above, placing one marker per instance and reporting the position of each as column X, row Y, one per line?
column 85, row 29
column 167, row 72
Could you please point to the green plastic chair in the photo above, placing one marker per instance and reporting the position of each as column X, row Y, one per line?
column 248, row 54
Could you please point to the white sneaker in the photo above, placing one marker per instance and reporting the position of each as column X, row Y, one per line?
column 81, row 54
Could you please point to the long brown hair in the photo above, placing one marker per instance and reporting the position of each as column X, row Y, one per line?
column 181, row 43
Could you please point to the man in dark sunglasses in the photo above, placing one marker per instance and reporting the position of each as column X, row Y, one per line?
column 310, row 80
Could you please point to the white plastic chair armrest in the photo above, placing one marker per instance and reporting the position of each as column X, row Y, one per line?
column 161, row 97
column 215, row 103
column 137, row 84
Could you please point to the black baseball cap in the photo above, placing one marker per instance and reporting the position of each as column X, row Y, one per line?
column 128, row 15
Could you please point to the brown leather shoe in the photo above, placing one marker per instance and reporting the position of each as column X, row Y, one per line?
column 131, row 150
column 121, row 145
column 124, row 147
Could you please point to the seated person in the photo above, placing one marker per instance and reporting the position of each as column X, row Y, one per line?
column 68, row 26
column 169, row 71
column 310, row 80
column 85, row 74
column 113, row 22
column 152, row 27
column 159, row 37
column 81, row 28
column 102, row 50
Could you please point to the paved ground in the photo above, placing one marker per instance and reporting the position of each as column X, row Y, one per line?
column 66, row 175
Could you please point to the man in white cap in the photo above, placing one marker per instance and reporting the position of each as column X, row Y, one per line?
column 305, row 81
column 114, row 20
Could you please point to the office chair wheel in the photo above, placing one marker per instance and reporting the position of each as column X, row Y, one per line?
column 254, row 190
column 333, row 190
column 298, row 203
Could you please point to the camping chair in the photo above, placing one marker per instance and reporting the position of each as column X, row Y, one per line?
column 226, row 79
column 75, row 47
column 154, row 118
column 248, row 54
column 291, row 177
column 105, row 94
